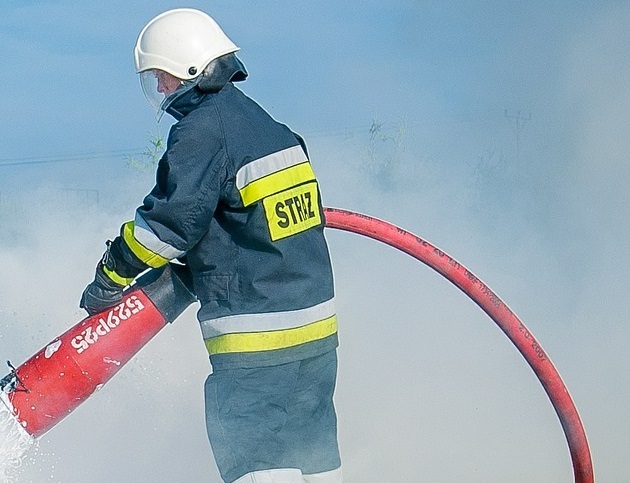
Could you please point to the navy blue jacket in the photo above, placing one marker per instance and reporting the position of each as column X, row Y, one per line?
column 237, row 199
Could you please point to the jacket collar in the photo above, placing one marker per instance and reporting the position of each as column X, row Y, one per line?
column 219, row 73
column 184, row 103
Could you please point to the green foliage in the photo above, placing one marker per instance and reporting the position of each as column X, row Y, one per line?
column 384, row 152
column 147, row 159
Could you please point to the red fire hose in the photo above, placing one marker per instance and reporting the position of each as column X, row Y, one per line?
column 498, row 311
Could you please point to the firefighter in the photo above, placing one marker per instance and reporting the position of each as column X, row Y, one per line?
column 237, row 202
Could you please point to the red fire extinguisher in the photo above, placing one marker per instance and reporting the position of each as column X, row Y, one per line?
column 63, row 374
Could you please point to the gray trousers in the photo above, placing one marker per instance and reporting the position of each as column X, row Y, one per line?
column 274, row 418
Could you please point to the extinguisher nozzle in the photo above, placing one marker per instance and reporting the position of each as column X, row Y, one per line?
column 12, row 382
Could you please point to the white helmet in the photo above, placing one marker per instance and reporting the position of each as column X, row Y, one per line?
column 181, row 42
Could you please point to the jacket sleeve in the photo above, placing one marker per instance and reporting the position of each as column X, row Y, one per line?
column 178, row 211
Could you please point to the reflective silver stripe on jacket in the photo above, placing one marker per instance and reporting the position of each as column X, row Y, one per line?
column 269, row 164
column 267, row 321
column 145, row 235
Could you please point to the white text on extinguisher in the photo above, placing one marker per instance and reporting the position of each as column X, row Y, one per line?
column 107, row 323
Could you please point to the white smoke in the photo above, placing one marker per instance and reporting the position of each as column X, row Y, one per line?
column 429, row 389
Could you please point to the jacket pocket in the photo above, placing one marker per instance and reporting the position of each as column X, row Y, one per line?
column 211, row 287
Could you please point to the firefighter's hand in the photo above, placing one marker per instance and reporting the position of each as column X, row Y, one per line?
column 101, row 294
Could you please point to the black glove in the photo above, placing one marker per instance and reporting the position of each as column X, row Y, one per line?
column 102, row 293
column 117, row 269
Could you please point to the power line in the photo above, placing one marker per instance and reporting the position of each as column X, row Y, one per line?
column 61, row 158
column 318, row 133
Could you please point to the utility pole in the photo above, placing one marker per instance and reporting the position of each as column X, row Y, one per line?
column 521, row 119
column 82, row 198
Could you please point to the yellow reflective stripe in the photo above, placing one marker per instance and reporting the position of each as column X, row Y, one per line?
column 267, row 321
column 122, row 281
column 261, row 167
column 272, row 340
column 144, row 235
column 152, row 259
column 275, row 182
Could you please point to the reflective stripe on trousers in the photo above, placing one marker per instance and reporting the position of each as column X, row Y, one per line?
column 289, row 475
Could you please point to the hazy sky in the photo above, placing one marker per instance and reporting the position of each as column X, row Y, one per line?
column 497, row 130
